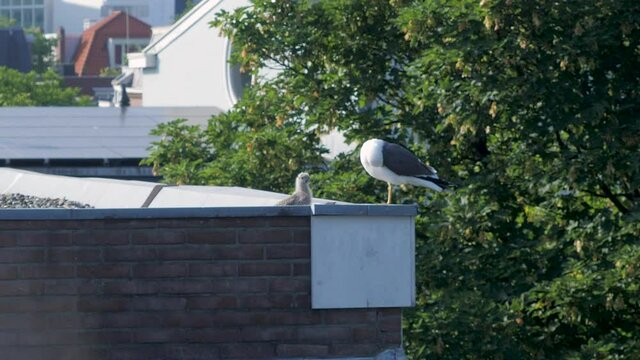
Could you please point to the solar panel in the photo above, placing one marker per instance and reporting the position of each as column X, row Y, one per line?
column 86, row 132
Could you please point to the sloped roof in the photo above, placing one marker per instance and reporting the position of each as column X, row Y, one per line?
column 91, row 53
column 202, row 9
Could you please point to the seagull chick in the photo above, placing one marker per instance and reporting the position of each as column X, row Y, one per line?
column 302, row 195
column 397, row 165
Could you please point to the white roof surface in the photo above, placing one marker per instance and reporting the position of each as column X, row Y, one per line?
column 110, row 194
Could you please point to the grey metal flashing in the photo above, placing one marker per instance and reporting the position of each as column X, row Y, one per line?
column 210, row 212
column 154, row 192
column 366, row 210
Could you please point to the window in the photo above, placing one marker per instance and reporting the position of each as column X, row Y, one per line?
column 26, row 13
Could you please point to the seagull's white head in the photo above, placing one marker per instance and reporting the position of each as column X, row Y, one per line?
column 302, row 182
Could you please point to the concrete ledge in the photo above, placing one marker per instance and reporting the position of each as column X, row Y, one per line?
column 210, row 212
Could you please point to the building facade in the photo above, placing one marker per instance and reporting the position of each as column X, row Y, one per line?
column 76, row 15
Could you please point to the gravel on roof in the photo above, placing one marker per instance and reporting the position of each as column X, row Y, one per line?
column 20, row 201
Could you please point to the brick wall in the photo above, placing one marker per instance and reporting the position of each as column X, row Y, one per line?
column 225, row 288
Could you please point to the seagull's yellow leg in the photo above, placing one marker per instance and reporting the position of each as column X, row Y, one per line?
column 389, row 192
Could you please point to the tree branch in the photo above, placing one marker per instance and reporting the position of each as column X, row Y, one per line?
column 613, row 198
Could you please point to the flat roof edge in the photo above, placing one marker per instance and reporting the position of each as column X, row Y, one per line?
column 209, row 212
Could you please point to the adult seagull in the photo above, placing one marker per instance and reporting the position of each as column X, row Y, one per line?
column 396, row 165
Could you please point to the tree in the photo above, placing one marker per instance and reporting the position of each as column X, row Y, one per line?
column 42, row 57
column 6, row 22
column 530, row 107
column 33, row 89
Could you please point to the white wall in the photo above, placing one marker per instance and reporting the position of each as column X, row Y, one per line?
column 160, row 12
column 191, row 70
column 70, row 14
column 362, row 261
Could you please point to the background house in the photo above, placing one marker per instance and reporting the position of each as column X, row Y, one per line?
column 14, row 50
column 191, row 59
column 105, row 43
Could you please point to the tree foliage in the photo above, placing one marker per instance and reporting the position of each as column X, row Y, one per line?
column 531, row 107
column 33, row 89
column 42, row 57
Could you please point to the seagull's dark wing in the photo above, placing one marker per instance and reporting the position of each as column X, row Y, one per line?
column 403, row 162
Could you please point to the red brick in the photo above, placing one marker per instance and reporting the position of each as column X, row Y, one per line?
column 365, row 335
column 104, row 336
column 159, row 303
column 39, row 338
column 189, row 286
column 248, row 350
column 36, row 304
column 389, row 312
column 331, row 334
column 128, row 224
column 21, row 288
column 9, row 338
column 264, row 236
column 47, row 271
column 364, row 350
column 140, row 352
column 21, row 255
column 159, row 270
column 290, row 221
column 159, row 335
column 212, row 302
column 306, row 350
column 131, row 320
column 102, row 304
column 187, row 352
column 263, row 334
column 303, row 301
column 160, row 236
column 288, row 252
column 211, row 237
column 73, row 321
column 302, row 236
column 100, row 237
column 289, row 317
column 184, row 319
column 392, row 337
column 302, row 269
column 390, row 324
column 103, row 271
column 130, row 287
column 24, row 321
column 245, row 252
column 45, row 238
column 265, row 269
column 249, row 285
column 8, row 272
column 71, row 287
column 350, row 317
column 8, row 238
column 62, row 255
column 213, row 270
column 213, row 335
column 128, row 253
column 233, row 318
column 268, row 301
column 290, row 285
column 186, row 253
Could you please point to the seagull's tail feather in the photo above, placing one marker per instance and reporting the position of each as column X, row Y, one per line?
column 433, row 183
